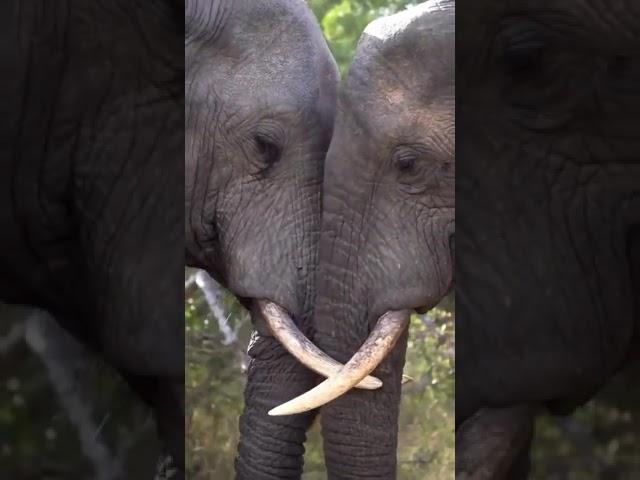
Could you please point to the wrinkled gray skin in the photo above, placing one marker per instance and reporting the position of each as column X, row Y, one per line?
column 388, row 218
column 91, row 148
column 548, row 196
column 260, row 98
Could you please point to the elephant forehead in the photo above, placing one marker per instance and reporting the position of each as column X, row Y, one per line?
column 293, row 84
column 414, row 55
column 399, row 85
column 396, row 96
column 396, row 108
column 397, row 102
column 279, row 76
column 279, row 31
column 424, row 16
column 272, row 51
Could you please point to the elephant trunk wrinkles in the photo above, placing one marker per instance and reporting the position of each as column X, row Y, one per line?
column 272, row 447
column 360, row 428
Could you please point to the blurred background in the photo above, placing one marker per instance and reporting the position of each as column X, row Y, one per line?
column 64, row 415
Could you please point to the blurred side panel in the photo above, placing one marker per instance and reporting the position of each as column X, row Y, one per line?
column 91, row 239
column 548, row 250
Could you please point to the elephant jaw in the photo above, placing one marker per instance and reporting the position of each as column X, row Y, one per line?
column 297, row 344
column 380, row 342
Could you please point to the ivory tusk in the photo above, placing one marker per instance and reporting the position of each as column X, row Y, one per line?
column 381, row 341
column 298, row 345
column 407, row 379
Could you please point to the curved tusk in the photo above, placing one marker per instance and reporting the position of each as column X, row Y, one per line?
column 298, row 345
column 381, row 341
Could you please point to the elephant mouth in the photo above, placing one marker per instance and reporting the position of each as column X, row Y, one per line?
column 340, row 378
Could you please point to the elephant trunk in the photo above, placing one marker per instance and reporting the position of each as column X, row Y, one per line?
column 359, row 428
column 272, row 447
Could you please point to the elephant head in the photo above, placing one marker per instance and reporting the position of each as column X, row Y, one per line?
column 260, row 89
column 548, row 201
column 553, row 167
column 90, row 184
column 387, row 228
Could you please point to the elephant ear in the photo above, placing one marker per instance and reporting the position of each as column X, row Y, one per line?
column 205, row 19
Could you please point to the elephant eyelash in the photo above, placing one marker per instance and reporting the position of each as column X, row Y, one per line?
column 266, row 141
column 522, row 46
column 405, row 161
column 523, row 58
column 268, row 149
column 270, row 131
column 406, row 157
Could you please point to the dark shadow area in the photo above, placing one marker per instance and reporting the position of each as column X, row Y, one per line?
column 548, row 207
column 599, row 441
column 91, row 239
column 63, row 412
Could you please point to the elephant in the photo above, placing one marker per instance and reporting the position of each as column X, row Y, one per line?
column 261, row 87
column 387, row 233
column 548, row 202
column 90, row 216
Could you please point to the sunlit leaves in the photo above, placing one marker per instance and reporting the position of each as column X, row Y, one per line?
column 343, row 22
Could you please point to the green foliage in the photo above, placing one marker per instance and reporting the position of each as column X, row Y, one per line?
column 214, row 387
column 426, row 439
column 344, row 21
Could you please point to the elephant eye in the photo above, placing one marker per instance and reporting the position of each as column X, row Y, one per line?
column 523, row 58
column 523, row 48
column 268, row 149
column 405, row 159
